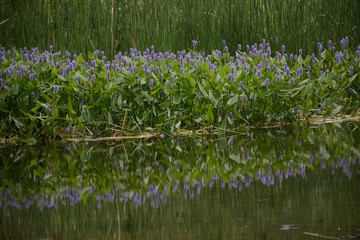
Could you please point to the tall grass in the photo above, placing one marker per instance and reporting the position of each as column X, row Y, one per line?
column 85, row 25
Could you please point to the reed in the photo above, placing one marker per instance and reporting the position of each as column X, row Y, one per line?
column 87, row 25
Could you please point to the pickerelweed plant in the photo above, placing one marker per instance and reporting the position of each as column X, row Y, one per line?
column 55, row 95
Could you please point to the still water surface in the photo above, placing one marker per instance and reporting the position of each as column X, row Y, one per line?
column 264, row 184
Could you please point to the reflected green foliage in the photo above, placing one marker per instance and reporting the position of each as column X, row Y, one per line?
column 79, row 191
column 140, row 166
column 84, row 25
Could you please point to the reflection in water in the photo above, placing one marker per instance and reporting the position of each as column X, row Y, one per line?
column 235, row 186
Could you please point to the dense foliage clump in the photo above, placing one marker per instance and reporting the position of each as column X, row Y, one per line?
column 53, row 94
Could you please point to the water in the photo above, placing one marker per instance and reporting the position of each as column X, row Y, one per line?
column 265, row 184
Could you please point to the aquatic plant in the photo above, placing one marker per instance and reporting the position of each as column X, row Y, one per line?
column 44, row 93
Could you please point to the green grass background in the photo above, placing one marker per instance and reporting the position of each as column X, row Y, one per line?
column 85, row 25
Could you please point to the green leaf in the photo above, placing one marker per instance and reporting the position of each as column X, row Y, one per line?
column 202, row 90
column 69, row 106
column 164, row 68
column 222, row 129
column 198, row 120
column 191, row 80
column 300, row 60
column 310, row 89
column 210, row 115
column 233, row 100
column 177, row 98
column 31, row 141
column 18, row 123
column 337, row 110
column 84, row 116
column 178, row 124
column 167, row 87
column 80, row 59
column 110, row 120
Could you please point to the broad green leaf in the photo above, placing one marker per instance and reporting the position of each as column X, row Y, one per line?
column 84, row 116
column 164, row 67
column 233, row 100
column 69, row 106
column 177, row 98
column 210, row 115
column 202, row 90
column 223, row 125
column 110, row 120
column 80, row 59
column 18, row 123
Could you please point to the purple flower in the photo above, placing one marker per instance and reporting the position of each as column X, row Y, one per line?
column 151, row 83
column 330, row 45
column 56, row 89
column 277, row 79
column 48, row 109
column 298, row 112
column 78, row 80
column 276, row 39
column 245, row 98
column 267, row 82
column 320, row 47
column 343, row 43
column 283, row 48
column 300, row 51
column 239, row 46
column 241, row 84
column 195, row 43
column 231, row 115
column 125, row 103
column 292, row 80
column 67, row 130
